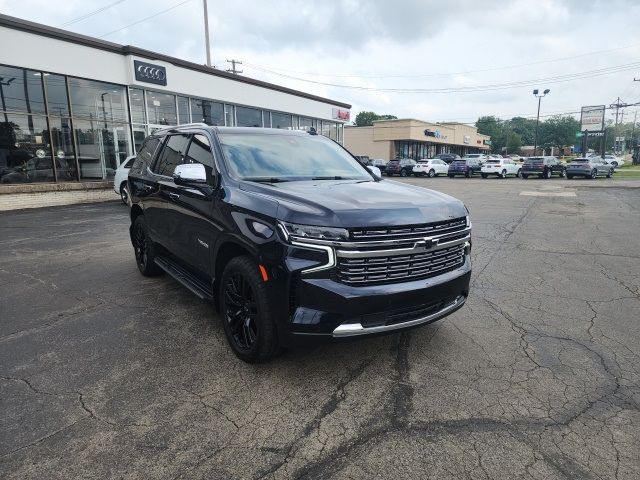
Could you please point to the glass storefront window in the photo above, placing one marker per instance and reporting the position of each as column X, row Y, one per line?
column 21, row 90
column 326, row 128
column 139, row 134
column 183, row 110
column 136, row 100
column 101, row 148
column 102, row 101
column 248, row 117
column 62, row 147
column 57, row 100
column 161, row 108
column 281, row 120
column 305, row 123
column 25, row 150
column 211, row 113
column 229, row 115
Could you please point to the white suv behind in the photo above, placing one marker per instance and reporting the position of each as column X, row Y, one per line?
column 431, row 167
column 500, row 167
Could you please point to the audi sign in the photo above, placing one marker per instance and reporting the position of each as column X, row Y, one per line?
column 150, row 73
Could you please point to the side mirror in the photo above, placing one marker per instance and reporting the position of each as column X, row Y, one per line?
column 375, row 171
column 190, row 175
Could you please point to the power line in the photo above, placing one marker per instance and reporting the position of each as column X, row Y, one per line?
column 447, row 74
column 90, row 14
column 477, row 88
column 144, row 19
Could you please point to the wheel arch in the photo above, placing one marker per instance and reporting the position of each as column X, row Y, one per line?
column 225, row 252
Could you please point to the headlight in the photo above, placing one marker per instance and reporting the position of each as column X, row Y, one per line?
column 317, row 233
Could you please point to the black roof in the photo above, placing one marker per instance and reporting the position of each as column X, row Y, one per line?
column 65, row 35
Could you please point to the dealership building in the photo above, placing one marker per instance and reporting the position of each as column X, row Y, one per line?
column 73, row 107
column 416, row 139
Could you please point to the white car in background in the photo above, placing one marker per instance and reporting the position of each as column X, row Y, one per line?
column 500, row 167
column 610, row 159
column 431, row 167
column 120, row 179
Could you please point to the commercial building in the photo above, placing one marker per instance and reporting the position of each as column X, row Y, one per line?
column 409, row 138
column 73, row 107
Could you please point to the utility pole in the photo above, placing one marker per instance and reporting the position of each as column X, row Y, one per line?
column 233, row 68
column 206, row 32
column 618, row 105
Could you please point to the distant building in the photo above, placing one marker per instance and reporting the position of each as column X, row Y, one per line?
column 410, row 138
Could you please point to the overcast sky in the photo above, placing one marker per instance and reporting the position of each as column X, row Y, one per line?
column 438, row 47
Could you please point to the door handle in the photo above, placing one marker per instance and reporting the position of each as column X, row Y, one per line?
column 174, row 196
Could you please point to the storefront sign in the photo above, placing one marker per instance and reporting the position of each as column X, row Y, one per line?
column 434, row 133
column 466, row 139
column 592, row 118
column 150, row 73
column 339, row 114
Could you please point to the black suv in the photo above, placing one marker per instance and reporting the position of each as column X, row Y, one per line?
column 402, row 167
column 292, row 237
column 543, row 167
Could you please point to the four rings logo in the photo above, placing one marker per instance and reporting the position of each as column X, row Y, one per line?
column 150, row 73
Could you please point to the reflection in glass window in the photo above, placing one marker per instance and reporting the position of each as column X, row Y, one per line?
column 248, row 117
column 183, row 110
column 139, row 134
column 21, row 90
column 101, row 149
column 102, row 101
column 161, row 108
column 57, row 99
column 136, row 100
column 25, row 155
column 326, row 128
column 172, row 155
column 305, row 123
column 229, row 115
column 62, row 146
column 281, row 120
column 211, row 113
column 200, row 152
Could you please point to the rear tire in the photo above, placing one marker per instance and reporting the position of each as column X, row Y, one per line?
column 451, row 176
column 547, row 174
column 403, row 173
column 247, row 312
column 484, row 175
column 467, row 174
column 524, row 176
column 503, row 174
column 569, row 176
column 124, row 193
column 610, row 174
column 144, row 249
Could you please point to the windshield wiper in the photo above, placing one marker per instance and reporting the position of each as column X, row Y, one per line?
column 266, row 179
column 336, row 177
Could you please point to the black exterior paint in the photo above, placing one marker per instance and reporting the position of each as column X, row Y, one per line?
column 307, row 307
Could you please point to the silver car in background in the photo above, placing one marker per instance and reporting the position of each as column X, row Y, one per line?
column 589, row 168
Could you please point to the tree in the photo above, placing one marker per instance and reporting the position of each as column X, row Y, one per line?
column 514, row 142
column 495, row 128
column 558, row 131
column 366, row 119
column 525, row 127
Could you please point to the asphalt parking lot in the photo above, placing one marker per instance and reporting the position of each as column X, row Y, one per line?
column 106, row 374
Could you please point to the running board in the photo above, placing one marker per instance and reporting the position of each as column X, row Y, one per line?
column 186, row 278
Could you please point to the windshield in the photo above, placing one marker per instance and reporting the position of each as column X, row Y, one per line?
column 273, row 157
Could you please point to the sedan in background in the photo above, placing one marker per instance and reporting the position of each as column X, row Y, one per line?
column 431, row 167
column 120, row 179
column 402, row 167
column 500, row 167
column 589, row 167
column 543, row 167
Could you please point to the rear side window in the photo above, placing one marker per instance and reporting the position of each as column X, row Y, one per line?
column 145, row 155
column 172, row 155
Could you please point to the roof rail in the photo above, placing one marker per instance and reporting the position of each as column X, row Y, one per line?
column 176, row 128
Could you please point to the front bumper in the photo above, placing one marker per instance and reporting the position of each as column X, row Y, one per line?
column 324, row 309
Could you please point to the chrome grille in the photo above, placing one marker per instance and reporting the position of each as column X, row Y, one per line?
column 408, row 232
column 394, row 268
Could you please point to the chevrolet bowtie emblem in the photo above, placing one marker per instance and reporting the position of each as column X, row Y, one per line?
column 426, row 243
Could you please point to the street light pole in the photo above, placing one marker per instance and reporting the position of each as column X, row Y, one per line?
column 539, row 97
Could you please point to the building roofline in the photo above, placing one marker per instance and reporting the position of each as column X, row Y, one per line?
column 85, row 40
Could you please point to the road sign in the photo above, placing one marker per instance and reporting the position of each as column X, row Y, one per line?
column 592, row 118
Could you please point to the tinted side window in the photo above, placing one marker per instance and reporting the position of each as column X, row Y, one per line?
column 200, row 152
column 172, row 155
column 145, row 155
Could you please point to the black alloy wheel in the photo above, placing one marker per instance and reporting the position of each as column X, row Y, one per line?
column 403, row 173
column 432, row 173
column 241, row 311
column 246, row 310
column 124, row 193
column 594, row 173
column 547, row 174
column 503, row 174
column 143, row 249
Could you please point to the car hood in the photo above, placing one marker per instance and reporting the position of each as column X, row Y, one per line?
column 352, row 204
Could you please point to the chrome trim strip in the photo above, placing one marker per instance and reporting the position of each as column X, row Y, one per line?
column 331, row 258
column 400, row 251
column 352, row 329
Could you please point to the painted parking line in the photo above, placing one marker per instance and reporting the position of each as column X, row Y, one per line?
column 547, row 194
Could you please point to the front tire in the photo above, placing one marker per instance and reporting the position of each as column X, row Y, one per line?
column 525, row 176
column 247, row 312
column 432, row 173
column 403, row 173
column 519, row 173
column 563, row 173
column 144, row 249
column 610, row 173
column 451, row 176
column 547, row 174
column 594, row 174
column 569, row 176
column 503, row 174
